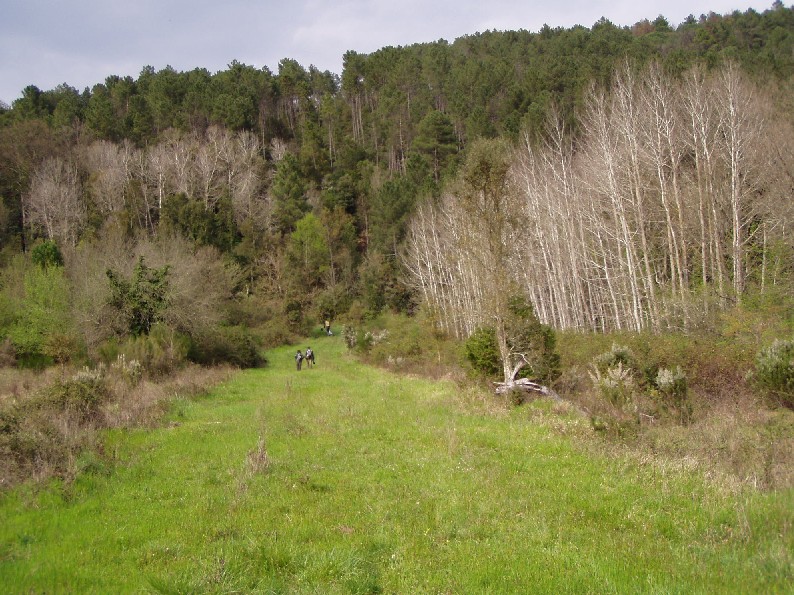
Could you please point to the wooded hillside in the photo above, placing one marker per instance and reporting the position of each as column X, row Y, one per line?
column 646, row 181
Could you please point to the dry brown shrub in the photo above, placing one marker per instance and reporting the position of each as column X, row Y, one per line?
column 46, row 439
column 145, row 403
column 199, row 282
column 733, row 438
column 750, row 446
column 19, row 383
column 7, row 354
column 734, row 445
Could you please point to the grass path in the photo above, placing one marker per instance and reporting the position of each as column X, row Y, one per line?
column 370, row 482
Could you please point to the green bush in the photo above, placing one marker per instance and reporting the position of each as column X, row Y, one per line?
column 275, row 332
column 162, row 351
column 358, row 339
column 399, row 341
column 350, row 336
column 82, row 394
column 616, row 384
column 546, row 365
column 44, row 432
column 672, row 392
column 130, row 371
column 364, row 341
column 62, row 347
column 617, row 355
column 142, row 299
column 774, row 371
column 42, row 313
column 230, row 344
column 482, row 352
column 526, row 335
column 46, row 254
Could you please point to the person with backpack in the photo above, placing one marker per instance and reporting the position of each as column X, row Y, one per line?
column 309, row 357
column 299, row 359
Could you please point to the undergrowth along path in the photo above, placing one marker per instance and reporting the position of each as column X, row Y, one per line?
column 343, row 478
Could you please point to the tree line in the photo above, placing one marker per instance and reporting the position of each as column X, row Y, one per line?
column 633, row 178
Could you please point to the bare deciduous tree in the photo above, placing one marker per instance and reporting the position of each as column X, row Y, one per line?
column 669, row 200
column 55, row 203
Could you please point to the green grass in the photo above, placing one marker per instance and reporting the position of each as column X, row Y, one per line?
column 373, row 483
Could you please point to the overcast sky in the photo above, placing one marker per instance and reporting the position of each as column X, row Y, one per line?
column 81, row 42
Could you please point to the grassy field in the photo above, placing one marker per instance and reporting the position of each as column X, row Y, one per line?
column 348, row 479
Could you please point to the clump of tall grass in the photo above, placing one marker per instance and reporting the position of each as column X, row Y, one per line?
column 160, row 352
column 258, row 460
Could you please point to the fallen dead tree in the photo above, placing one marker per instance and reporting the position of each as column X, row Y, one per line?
column 526, row 385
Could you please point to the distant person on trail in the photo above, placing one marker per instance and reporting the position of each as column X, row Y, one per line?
column 309, row 357
column 298, row 359
column 327, row 327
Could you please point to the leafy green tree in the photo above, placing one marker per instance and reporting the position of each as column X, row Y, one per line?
column 534, row 343
column 391, row 208
column 69, row 107
column 479, row 124
column 165, row 91
column 380, row 285
column 233, row 96
column 435, row 139
column 233, row 112
column 289, row 193
column 313, row 154
column 100, row 116
column 308, row 254
column 142, row 299
column 31, row 105
column 213, row 226
column 483, row 195
column 46, row 254
column 293, row 88
column 340, row 191
column 140, row 125
column 340, row 236
column 532, row 346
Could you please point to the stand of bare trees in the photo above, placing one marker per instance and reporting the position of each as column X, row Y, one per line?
column 670, row 200
column 206, row 167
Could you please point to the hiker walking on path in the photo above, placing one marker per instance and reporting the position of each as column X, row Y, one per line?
column 309, row 357
column 298, row 359
column 327, row 327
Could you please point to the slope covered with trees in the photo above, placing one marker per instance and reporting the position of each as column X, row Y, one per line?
column 647, row 181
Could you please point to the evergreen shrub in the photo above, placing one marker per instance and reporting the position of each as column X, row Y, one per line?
column 672, row 392
column 482, row 352
column 774, row 371
column 161, row 351
column 234, row 345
